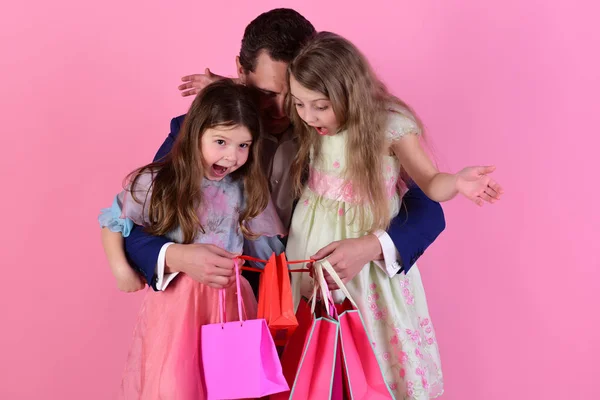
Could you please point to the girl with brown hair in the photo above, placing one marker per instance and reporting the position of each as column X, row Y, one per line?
column 210, row 190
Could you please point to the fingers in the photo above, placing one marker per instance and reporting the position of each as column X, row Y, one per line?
column 222, row 270
column 342, row 274
column 332, row 285
column 325, row 251
column 487, row 198
column 189, row 77
column 241, row 262
column 486, row 169
column 193, row 84
column 218, row 261
column 218, row 282
column 187, row 85
column 338, row 263
column 493, row 195
column 335, row 257
column 221, row 252
column 192, row 92
column 223, row 267
column 490, row 191
column 490, row 194
column 230, row 281
column 219, row 278
column 495, row 187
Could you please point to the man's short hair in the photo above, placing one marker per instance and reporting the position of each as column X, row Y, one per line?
column 280, row 32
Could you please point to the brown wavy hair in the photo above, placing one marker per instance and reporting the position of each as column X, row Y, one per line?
column 176, row 184
column 333, row 66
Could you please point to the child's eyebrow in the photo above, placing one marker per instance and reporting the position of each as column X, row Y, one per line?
column 312, row 101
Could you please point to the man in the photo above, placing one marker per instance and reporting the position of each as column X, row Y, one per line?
column 270, row 42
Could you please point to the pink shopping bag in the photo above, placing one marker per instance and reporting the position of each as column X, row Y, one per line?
column 316, row 370
column 319, row 371
column 362, row 372
column 239, row 357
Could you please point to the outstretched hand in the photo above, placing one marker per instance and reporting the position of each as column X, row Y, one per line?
column 475, row 184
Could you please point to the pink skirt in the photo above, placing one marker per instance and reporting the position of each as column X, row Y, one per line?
column 165, row 360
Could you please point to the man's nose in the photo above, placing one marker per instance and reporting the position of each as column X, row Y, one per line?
column 274, row 107
column 279, row 105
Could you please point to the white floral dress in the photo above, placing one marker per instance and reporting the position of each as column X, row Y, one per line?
column 394, row 309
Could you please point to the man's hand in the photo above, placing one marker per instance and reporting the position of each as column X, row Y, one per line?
column 204, row 263
column 193, row 84
column 349, row 256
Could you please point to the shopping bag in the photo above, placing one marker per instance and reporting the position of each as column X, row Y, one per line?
column 294, row 348
column 311, row 359
column 239, row 357
column 362, row 372
column 275, row 303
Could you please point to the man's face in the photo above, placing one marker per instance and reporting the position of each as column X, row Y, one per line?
column 269, row 77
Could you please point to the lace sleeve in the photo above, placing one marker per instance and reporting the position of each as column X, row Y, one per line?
column 400, row 125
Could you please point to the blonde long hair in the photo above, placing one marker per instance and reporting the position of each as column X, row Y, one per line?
column 333, row 66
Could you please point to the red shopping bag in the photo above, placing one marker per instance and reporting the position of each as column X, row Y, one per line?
column 275, row 303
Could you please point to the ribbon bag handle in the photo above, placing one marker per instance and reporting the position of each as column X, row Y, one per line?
column 258, row 260
column 325, row 293
column 325, row 264
column 240, row 304
column 313, row 297
column 248, row 258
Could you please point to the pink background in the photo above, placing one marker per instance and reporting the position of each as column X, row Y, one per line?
column 87, row 95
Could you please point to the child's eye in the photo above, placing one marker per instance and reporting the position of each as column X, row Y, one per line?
column 220, row 142
column 322, row 108
column 244, row 145
column 299, row 105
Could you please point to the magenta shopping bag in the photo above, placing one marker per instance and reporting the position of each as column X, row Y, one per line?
column 239, row 357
